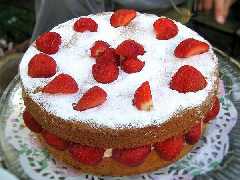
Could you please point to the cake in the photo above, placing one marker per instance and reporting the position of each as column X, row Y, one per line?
column 119, row 93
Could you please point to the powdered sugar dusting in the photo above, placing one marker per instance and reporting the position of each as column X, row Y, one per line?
column 74, row 58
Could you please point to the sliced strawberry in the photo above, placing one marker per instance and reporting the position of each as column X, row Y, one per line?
column 132, row 65
column 41, row 66
column 170, row 148
column 213, row 111
column 143, row 97
column 105, row 72
column 54, row 141
column 63, row 83
column 95, row 96
column 131, row 156
column 98, row 48
column 190, row 47
column 31, row 123
column 85, row 24
column 122, row 17
column 85, row 154
column 109, row 56
column 130, row 48
column 188, row 79
column 194, row 134
column 48, row 42
column 165, row 28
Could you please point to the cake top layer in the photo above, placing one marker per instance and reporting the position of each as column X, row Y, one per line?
column 73, row 58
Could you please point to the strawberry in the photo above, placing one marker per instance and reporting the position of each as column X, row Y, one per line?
column 109, row 56
column 170, row 148
column 132, row 65
column 130, row 48
column 63, row 83
column 31, row 123
column 95, row 96
column 188, row 79
column 165, row 29
column 122, row 17
column 190, row 47
column 132, row 156
column 213, row 111
column 85, row 154
column 48, row 42
column 194, row 134
column 41, row 66
column 105, row 72
column 98, row 48
column 54, row 141
column 143, row 97
column 85, row 24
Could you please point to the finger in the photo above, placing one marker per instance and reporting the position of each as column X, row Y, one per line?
column 207, row 5
column 200, row 5
column 219, row 11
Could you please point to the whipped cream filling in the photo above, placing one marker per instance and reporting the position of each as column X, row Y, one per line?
column 74, row 59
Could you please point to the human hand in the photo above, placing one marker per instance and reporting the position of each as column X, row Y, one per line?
column 221, row 8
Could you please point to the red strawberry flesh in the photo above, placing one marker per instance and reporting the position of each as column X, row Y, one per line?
column 190, row 47
column 85, row 24
column 188, row 79
column 143, row 97
column 213, row 111
column 95, row 96
column 85, row 154
column 63, row 83
column 165, row 29
column 132, row 65
column 194, row 133
column 122, row 17
column 105, row 72
column 99, row 48
column 41, row 66
column 170, row 148
column 130, row 48
column 54, row 141
column 31, row 123
column 131, row 156
column 48, row 42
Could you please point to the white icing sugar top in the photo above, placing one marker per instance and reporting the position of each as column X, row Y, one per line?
column 74, row 59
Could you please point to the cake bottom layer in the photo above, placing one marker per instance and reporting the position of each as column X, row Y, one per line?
column 110, row 167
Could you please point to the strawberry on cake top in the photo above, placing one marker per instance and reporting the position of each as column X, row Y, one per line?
column 100, row 72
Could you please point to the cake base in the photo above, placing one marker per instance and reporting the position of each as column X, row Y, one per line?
column 110, row 167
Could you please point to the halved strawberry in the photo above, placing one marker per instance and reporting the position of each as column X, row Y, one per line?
column 132, row 65
column 85, row 24
column 85, row 154
column 170, row 148
column 42, row 66
column 190, row 47
column 213, row 111
column 130, row 48
column 105, row 72
column 98, row 48
column 54, row 141
column 31, row 123
column 188, row 79
column 122, row 17
column 95, row 96
column 165, row 28
column 109, row 56
column 143, row 97
column 48, row 42
column 194, row 134
column 131, row 156
column 63, row 83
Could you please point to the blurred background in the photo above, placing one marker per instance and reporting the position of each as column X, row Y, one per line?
column 17, row 19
